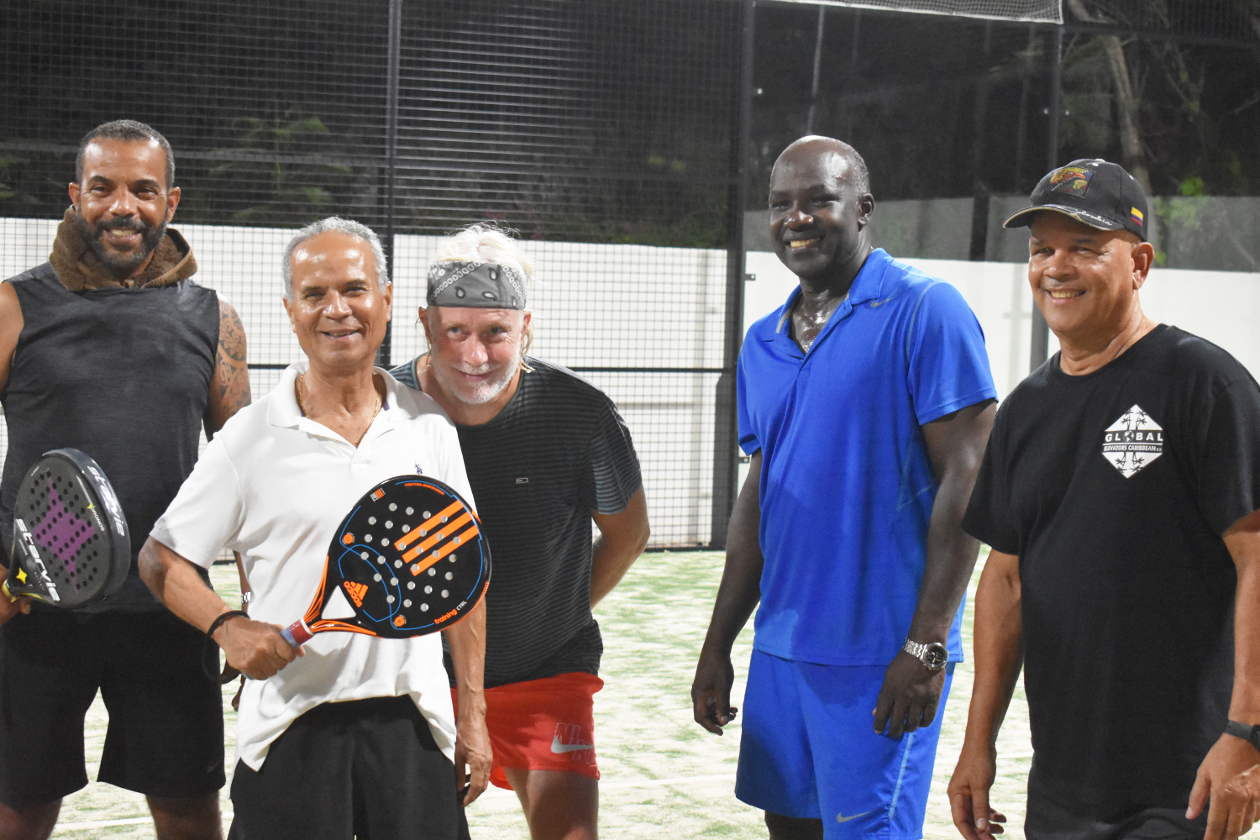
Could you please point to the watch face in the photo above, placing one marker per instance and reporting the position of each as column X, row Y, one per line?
column 936, row 656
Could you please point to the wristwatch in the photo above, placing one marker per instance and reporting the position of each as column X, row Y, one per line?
column 1245, row 731
column 933, row 655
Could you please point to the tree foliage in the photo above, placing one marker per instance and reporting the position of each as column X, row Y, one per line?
column 945, row 106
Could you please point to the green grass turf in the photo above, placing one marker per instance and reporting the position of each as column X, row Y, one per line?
column 660, row 770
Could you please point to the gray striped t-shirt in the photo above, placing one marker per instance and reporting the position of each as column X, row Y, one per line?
column 557, row 452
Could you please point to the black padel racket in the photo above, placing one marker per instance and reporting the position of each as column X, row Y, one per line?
column 70, row 541
column 410, row 558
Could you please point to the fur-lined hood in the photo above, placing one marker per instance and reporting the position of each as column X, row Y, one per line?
column 78, row 267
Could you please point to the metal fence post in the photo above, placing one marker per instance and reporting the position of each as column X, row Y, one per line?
column 392, row 71
column 726, row 431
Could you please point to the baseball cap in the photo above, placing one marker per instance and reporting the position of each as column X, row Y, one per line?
column 1092, row 191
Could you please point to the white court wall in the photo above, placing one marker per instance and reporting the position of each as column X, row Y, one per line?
column 595, row 306
column 1221, row 306
column 658, row 307
column 603, row 329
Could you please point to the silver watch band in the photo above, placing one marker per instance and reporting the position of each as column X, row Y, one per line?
column 933, row 655
column 915, row 649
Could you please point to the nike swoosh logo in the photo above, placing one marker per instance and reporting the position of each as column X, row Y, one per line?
column 841, row 818
column 874, row 304
column 559, row 748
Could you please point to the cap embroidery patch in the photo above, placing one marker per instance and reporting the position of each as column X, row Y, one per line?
column 1071, row 179
column 1136, row 215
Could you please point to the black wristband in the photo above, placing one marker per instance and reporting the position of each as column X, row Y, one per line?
column 1245, row 731
column 214, row 625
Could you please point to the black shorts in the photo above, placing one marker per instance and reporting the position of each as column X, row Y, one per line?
column 364, row 768
column 1049, row 818
column 165, row 735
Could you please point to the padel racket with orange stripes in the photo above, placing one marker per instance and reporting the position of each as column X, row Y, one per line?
column 71, row 545
column 409, row 559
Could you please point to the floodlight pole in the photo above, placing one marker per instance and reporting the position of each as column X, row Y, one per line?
column 392, row 83
column 1040, row 345
column 726, row 428
column 813, row 88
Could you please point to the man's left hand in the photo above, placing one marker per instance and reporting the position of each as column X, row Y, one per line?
column 1228, row 783
column 472, row 756
column 908, row 697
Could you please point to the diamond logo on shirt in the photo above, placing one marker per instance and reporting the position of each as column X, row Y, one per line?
column 1133, row 442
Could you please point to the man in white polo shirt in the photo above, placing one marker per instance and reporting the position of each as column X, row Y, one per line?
column 350, row 734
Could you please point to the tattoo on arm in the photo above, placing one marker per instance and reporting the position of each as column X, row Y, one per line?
column 229, row 389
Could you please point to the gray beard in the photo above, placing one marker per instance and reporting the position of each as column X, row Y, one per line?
column 481, row 394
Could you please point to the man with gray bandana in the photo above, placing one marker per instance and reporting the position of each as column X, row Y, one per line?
column 546, row 454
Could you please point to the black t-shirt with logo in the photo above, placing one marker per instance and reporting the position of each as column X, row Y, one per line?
column 1113, row 488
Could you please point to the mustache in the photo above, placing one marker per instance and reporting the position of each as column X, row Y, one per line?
column 476, row 370
column 130, row 224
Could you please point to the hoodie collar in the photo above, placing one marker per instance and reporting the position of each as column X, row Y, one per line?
column 79, row 269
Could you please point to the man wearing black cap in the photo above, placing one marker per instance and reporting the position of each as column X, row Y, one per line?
column 546, row 454
column 1119, row 494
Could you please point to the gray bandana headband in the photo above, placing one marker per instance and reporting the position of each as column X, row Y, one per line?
column 485, row 285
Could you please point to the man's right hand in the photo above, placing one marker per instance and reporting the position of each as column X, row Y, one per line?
column 969, row 794
column 10, row 607
column 473, row 754
column 255, row 648
column 711, row 692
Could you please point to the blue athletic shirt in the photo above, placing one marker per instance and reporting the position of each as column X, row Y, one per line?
column 846, row 484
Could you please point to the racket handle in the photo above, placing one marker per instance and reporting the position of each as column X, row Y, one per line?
column 297, row 633
column 5, row 586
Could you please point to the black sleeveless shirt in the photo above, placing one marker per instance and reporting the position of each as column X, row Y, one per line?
column 122, row 374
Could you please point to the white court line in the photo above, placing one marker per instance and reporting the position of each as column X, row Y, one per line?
column 604, row 785
column 629, row 783
column 85, row 826
column 145, row 820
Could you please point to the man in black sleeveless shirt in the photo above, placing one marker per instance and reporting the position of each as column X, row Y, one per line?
column 1119, row 494
column 110, row 348
column 546, row 454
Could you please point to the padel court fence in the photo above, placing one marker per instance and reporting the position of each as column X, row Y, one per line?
column 665, row 388
column 589, row 127
column 624, row 140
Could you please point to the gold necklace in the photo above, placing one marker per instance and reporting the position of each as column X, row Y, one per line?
column 297, row 394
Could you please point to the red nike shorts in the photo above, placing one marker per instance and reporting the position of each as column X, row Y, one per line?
column 545, row 724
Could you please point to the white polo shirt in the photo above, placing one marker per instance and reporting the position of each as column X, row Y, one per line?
column 274, row 485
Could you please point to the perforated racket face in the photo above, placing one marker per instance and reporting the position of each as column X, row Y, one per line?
column 70, row 536
column 410, row 558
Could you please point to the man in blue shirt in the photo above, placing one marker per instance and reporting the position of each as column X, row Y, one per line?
column 865, row 402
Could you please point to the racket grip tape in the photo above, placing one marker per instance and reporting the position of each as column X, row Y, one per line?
column 297, row 633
